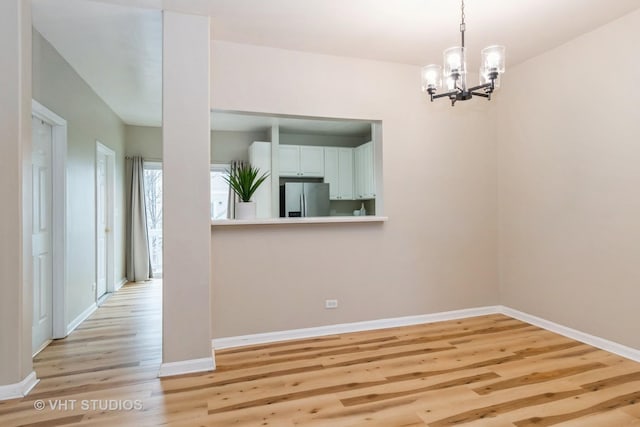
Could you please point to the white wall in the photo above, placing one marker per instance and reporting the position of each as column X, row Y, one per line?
column 438, row 250
column 15, row 209
column 185, row 192
column 228, row 145
column 225, row 145
column 145, row 141
column 59, row 88
column 568, row 128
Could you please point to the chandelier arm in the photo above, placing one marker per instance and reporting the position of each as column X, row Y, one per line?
column 482, row 86
column 448, row 94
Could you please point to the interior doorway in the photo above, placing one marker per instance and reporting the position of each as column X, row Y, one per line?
column 48, row 225
column 105, row 218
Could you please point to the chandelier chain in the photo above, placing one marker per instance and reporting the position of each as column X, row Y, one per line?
column 463, row 26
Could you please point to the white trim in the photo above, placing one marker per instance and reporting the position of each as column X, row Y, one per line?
column 110, row 220
column 81, row 318
column 187, row 367
column 610, row 346
column 18, row 390
column 42, row 347
column 121, row 283
column 268, row 337
column 59, row 215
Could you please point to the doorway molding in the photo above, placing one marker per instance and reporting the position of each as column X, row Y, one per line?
column 58, row 214
column 110, row 219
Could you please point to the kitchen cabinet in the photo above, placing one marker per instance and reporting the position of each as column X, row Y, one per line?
column 338, row 172
column 301, row 161
column 364, row 171
column 260, row 157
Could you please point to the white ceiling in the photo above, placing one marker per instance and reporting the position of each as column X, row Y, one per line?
column 234, row 121
column 117, row 49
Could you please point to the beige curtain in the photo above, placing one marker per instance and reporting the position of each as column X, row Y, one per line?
column 233, row 197
column 138, row 259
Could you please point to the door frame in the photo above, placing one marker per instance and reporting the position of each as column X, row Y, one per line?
column 58, row 214
column 110, row 219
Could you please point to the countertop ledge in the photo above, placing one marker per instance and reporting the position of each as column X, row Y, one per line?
column 308, row 220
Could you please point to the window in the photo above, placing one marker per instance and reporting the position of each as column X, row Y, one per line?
column 219, row 191
column 153, row 200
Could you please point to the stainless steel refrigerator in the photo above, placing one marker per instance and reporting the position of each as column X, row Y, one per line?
column 299, row 199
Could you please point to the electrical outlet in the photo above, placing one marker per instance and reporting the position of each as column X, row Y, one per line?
column 331, row 303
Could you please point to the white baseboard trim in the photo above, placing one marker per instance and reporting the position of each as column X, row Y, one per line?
column 81, row 318
column 610, row 346
column 121, row 284
column 18, row 390
column 294, row 334
column 187, row 367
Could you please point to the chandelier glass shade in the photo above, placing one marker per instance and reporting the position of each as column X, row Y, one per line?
column 453, row 76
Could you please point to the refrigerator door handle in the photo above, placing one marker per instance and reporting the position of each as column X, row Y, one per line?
column 304, row 205
column 301, row 205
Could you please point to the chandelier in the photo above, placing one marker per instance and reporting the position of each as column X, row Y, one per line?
column 455, row 72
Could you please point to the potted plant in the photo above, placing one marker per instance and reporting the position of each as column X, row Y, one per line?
column 244, row 181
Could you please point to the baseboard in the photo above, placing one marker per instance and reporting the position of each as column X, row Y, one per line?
column 121, row 284
column 294, row 334
column 610, row 346
column 19, row 390
column 187, row 367
column 81, row 318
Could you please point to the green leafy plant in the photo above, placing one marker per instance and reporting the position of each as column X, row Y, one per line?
column 244, row 181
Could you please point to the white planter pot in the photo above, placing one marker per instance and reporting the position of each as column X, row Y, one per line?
column 245, row 210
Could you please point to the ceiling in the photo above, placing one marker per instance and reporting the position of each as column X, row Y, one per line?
column 235, row 121
column 117, row 48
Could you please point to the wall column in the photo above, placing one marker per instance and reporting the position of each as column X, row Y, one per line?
column 16, row 372
column 186, row 135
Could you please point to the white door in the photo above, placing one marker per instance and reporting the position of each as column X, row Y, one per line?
column 41, row 165
column 102, row 207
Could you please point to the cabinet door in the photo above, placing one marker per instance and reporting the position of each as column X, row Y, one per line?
column 345, row 173
column 364, row 171
column 331, row 172
column 289, row 160
column 312, row 161
column 357, row 172
column 369, row 182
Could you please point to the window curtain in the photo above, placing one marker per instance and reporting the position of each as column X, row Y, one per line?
column 138, row 259
column 233, row 197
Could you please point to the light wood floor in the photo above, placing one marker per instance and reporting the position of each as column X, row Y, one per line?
column 483, row 371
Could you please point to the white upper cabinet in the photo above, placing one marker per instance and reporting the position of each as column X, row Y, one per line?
column 289, row 160
column 301, row 161
column 365, row 184
column 338, row 172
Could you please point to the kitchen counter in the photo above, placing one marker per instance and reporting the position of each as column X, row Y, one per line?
column 305, row 220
